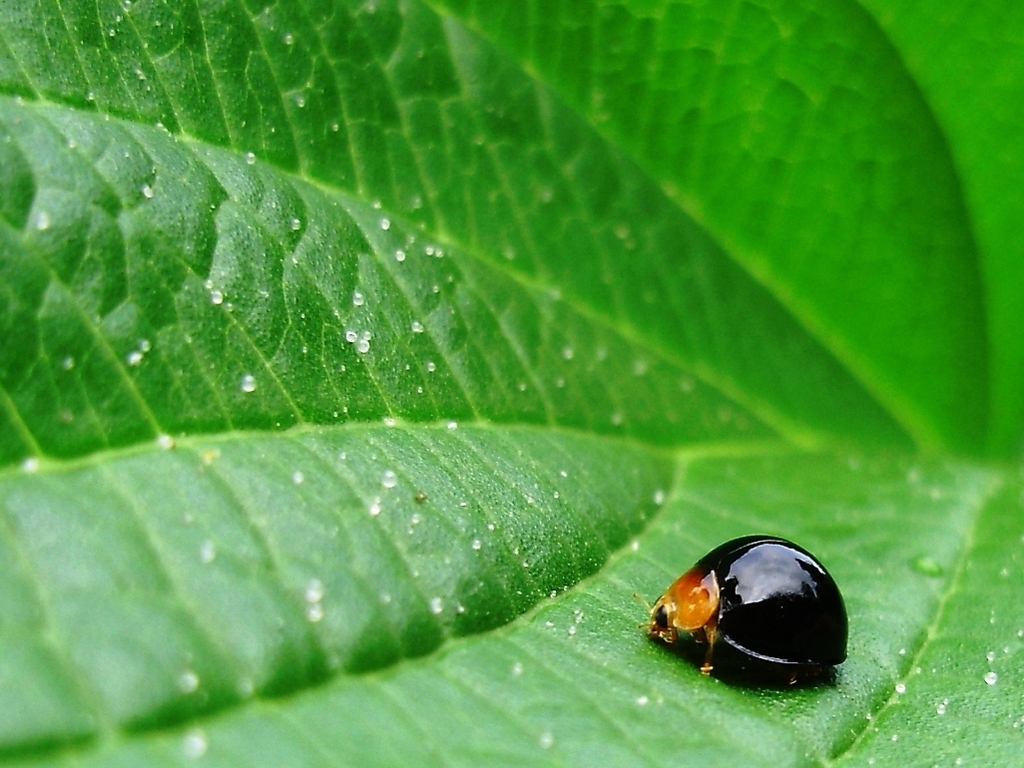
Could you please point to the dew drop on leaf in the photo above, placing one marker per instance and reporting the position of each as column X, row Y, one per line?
column 194, row 744
column 207, row 552
column 188, row 681
column 248, row 383
column 927, row 566
column 314, row 612
column 314, row 591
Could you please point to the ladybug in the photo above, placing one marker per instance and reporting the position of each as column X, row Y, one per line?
column 763, row 596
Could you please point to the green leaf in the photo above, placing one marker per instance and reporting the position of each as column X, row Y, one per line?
column 360, row 361
column 966, row 63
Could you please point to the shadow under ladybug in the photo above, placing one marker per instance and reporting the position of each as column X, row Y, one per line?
column 766, row 610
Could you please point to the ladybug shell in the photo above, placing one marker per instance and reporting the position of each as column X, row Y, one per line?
column 777, row 602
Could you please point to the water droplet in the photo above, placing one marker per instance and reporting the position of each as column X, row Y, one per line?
column 207, row 552
column 572, row 629
column 250, row 158
column 289, row 38
column 476, row 544
column 42, row 221
column 134, row 357
column 351, row 336
column 568, row 353
column 940, row 709
column 399, row 255
column 295, row 224
column 67, row 363
column 517, row 669
column 659, row 497
column 194, row 744
column 436, row 605
column 642, row 700
column 363, row 346
column 314, row 612
column 452, row 425
column 991, row 656
column 389, row 479
column 431, row 367
column 901, row 688
column 417, row 326
column 147, row 191
column 547, row 740
column 375, row 507
column 358, row 299
column 385, row 224
column 248, row 383
column 216, row 297
column 991, row 677
column 314, row 591
column 164, row 442
column 188, row 681
column 30, row 465
column 298, row 477
column 927, row 566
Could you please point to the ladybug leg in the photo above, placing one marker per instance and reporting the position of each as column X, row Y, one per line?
column 710, row 633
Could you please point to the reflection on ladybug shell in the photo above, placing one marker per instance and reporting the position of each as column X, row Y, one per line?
column 776, row 602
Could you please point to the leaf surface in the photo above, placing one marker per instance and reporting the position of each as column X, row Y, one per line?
column 359, row 361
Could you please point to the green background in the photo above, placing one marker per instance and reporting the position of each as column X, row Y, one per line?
column 359, row 361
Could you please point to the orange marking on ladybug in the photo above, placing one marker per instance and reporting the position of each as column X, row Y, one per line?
column 690, row 604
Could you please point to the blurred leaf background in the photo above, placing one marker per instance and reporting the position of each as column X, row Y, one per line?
column 358, row 361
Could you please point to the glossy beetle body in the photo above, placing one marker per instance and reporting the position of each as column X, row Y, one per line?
column 767, row 598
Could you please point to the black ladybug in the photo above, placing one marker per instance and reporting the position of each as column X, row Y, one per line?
column 767, row 598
